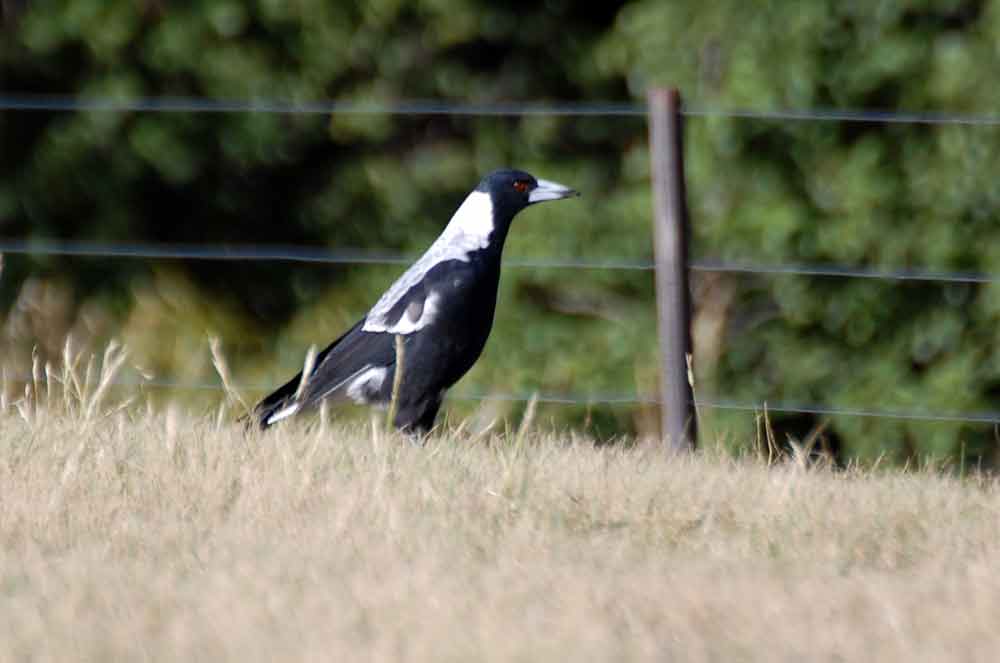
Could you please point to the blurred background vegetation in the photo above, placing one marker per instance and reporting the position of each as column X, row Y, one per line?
column 865, row 194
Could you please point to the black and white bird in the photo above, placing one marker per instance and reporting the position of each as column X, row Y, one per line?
column 441, row 307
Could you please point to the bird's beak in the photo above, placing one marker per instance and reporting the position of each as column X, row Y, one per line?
column 547, row 190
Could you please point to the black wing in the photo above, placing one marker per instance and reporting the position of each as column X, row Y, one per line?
column 355, row 351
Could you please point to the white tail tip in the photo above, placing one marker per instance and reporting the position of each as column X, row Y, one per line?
column 283, row 413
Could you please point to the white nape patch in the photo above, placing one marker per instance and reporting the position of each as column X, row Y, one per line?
column 472, row 223
column 371, row 380
column 283, row 414
column 469, row 230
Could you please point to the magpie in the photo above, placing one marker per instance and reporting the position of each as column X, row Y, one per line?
column 441, row 310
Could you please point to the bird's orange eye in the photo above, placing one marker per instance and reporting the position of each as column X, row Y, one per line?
column 520, row 186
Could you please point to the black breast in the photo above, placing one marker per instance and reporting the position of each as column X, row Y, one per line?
column 454, row 340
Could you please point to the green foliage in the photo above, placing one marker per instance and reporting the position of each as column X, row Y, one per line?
column 852, row 193
column 811, row 192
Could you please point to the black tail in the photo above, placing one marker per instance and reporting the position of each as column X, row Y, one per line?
column 334, row 366
column 278, row 399
column 284, row 395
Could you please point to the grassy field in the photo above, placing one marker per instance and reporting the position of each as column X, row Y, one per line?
column 137, row 535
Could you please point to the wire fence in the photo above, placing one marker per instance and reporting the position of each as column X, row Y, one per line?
column 306, row 254
column 360, row 256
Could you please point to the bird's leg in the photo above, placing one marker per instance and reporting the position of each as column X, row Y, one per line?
column 426, row 420
column 415, row 433
column 418, row 421
column 417, row 438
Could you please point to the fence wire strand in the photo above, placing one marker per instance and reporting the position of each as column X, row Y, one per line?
column 68, row 103
column 615, row 399
column 245, row 252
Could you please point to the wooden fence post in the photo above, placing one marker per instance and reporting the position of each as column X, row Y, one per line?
column 673, row 297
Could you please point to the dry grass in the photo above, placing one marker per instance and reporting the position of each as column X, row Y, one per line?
column 141, row 535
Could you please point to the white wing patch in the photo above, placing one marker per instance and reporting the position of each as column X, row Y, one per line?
column 340, row 384
column 469, row 230
column 369, row 381
column 406, row 324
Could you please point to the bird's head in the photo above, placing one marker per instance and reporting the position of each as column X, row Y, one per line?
column 485, row 215
column 511, row 191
